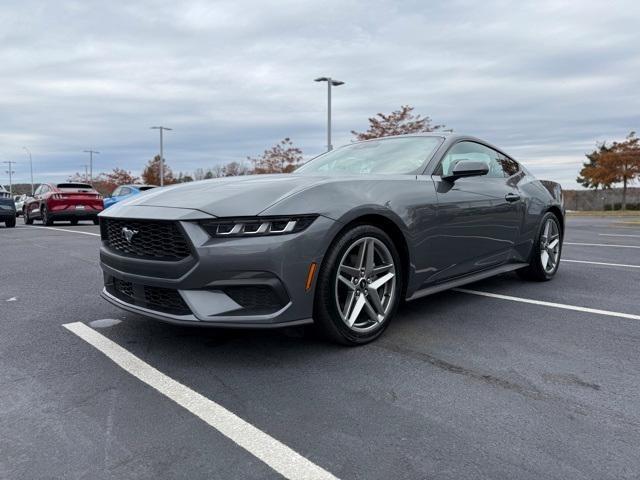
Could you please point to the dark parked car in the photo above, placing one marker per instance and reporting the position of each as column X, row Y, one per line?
column 340, row 242
column 63, row 201
column 7, row 208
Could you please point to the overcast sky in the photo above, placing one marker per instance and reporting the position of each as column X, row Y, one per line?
column 543, row 80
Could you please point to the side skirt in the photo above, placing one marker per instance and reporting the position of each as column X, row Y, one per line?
column 423, row 292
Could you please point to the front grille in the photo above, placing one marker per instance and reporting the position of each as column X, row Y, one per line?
column 164, row 300
column 254, row 297
column 151, row 239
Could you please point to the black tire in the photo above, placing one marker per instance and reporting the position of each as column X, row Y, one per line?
column 27, row 220
column 327, row 317
column 536, row 271
column 74, row 221
column 46, row 218
column 96, row 221
column 11, row 223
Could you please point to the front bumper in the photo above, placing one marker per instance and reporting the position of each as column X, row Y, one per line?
column 230, row 282
column 192, row 320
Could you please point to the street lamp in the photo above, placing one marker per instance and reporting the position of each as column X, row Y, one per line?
column 335, row 83
column 161, row 128
column 10, row 172
column 30, row 167
column 91, row 152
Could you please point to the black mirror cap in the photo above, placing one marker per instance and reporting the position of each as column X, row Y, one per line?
column 467, row 168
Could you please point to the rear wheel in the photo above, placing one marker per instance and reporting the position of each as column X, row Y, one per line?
column 359, row 286
column 11, row 223
column 545, row 255
column 46, row 217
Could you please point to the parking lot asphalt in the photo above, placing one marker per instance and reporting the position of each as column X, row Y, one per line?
column 460, row 386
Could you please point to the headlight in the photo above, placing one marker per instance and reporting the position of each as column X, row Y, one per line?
column 254, row 226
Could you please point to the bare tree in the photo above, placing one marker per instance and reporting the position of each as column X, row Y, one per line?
column 233, row 169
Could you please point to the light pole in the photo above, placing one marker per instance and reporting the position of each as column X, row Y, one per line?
column 10, row 172
column 91, row 152
column 30, row 167
column 161, row 128
column 86, row 172
column 330, row 83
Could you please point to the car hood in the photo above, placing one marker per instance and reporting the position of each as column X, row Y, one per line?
column 225, row 197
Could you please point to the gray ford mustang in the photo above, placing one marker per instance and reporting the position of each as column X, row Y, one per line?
column 340, row 242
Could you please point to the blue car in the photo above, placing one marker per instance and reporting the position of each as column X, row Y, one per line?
column 125, row 191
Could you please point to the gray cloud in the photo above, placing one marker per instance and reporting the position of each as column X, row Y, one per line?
column 544, row 80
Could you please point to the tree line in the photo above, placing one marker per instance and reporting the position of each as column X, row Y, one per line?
column 284, row 157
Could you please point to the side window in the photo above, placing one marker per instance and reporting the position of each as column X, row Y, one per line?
column 44, row 189
column 116, row 192
column 509, row 167
column 471, row 151
column 125, row 191
column 38, row 190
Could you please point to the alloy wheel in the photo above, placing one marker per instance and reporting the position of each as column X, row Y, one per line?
column 365, row 284
column 550, row 245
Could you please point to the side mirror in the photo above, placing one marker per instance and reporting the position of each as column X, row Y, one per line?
column 467, row 168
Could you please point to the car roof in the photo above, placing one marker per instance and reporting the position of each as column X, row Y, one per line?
column 449, row 139
column 450, row 136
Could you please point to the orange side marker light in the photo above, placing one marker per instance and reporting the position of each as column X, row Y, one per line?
column 312, row 271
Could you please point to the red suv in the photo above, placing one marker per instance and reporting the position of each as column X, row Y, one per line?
column 63, row 201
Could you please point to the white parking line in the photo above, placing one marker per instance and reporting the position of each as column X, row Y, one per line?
column 600, row 245
column 278, row 456
column 549, row 304
column 602, row 263
column 618, row 235
column 65, row 230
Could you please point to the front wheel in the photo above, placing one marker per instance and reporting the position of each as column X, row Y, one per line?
column 359, row 286
column 27, row 220
column 11, row 223
column 545, row 255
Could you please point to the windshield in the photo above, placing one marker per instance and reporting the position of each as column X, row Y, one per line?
column 385, row 156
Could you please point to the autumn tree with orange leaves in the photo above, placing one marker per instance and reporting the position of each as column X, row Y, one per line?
column 151, row 172
column 398, row 122
column 120, row 176
column 281, row 158
column 105, row 183
column 618, row 163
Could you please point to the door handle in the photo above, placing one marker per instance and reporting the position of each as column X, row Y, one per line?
column 512, row 197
